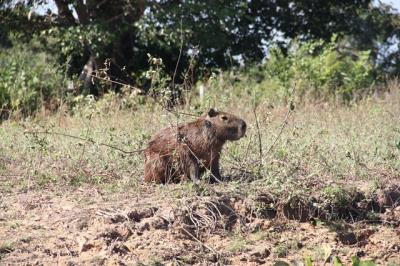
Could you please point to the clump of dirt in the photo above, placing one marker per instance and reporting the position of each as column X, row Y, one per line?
column 85, row 226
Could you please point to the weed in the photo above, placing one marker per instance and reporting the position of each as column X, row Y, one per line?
column 257, row 236
column 321, row 253
column 337, row 194
column 282, row 249
column 14, row 224
column 6, row 247
column 337, row 262
column 237, row 243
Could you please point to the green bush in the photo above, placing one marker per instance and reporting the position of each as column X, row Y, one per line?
column 27, row 79
column 320, row 71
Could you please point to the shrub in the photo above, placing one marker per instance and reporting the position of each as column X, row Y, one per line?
column 27, row 79
column 320, row 70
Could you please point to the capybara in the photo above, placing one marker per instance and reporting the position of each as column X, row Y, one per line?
column 185, row 151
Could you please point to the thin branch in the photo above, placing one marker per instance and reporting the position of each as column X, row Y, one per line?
column 199, row 160
column 112, row 81
column 259, row 137
column 179, row 59
column 84, row 139
column 285, row 121
column 197, row 240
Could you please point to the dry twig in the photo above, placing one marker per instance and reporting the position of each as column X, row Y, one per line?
column 84, row 139
column 198, row 240
column 285, row 121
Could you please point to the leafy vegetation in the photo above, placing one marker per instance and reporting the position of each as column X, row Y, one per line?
column 28, row 80
column 316, row 69
column 339, row 50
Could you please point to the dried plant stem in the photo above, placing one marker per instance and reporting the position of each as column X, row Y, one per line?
column 198, row 240
column 179, row 58
column 285, row 120
column 284, row 124
column 112, row 81
column 84, row 139
column 260, row 150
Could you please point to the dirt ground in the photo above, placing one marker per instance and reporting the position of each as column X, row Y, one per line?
column 159, row 226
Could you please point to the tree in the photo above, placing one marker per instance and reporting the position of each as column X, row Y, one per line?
column 243, row 29
column 220, row 33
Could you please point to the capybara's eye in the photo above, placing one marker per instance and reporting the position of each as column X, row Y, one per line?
column 224, row 117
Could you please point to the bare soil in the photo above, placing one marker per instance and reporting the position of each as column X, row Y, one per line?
column 163, row 226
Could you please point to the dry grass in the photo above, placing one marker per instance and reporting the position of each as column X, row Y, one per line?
column 320, row 142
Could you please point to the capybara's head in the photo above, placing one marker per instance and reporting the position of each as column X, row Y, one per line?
column 225, row 126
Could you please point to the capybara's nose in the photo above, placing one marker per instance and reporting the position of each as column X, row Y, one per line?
column 243, row 126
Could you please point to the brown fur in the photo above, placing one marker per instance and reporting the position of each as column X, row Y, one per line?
column 185, row 151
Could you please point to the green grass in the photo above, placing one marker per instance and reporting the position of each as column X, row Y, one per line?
column 6, row 247
column 324, row 147
column 237, row 243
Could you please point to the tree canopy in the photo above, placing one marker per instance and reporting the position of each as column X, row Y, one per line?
column 218, row 34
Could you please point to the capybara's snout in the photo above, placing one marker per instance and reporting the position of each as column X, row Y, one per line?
column 242, row 128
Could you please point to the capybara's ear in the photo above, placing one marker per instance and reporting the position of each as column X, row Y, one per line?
column 211, row 112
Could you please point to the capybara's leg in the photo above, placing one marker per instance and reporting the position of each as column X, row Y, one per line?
column 155, row 169
column 215, row 174
column 190, row 166
column 193, row 171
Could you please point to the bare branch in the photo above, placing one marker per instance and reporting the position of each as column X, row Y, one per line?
column 259, row 138
column 285, row 121
column 84, row 139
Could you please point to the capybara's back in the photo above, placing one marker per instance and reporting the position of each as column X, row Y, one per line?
column 185, row 151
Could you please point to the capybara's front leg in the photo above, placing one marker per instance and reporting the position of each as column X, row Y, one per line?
column 193, row 171
column 215, row 174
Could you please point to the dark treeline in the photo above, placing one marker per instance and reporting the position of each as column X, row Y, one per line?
column 209, row 34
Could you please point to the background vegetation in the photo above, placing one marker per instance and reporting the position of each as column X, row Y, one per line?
column 331, row 49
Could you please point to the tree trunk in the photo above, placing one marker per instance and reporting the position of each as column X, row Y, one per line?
column 64, row 12
column 81, row 10
column 87, row 76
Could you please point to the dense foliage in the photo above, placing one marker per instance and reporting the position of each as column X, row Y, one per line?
column 116, row 38
column 27, row 80
column 314, row 69
column 320, row 69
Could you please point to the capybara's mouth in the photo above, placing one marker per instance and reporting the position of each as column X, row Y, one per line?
column 236, row 133
column 242, row 129
column 240, row 133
